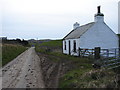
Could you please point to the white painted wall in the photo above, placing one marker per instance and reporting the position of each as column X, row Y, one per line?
column 99, row 19
column 99, row 35
column 67, row 46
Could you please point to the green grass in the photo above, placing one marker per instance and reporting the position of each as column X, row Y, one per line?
column 85, row 76
column 70, row 79
column 49, row 44
column 52, row 43
column 82, row 75
column 97, row 79
column 9, row 52
column 88, row 78
column 46, row 47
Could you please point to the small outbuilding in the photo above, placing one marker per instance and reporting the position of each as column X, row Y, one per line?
column 91, row 35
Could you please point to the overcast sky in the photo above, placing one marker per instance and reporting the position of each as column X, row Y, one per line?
column 52, row 19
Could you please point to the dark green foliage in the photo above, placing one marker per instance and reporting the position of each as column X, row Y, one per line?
column 17, row 41
column 117, row 70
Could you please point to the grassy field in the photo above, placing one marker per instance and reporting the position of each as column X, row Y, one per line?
column 82, row 74
column 46, row 47
column 52, row 43
column 10, row 51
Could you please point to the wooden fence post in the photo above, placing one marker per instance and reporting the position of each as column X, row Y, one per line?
column 97, row 53
column 107, row 53
column 79, row 51
column 115, row 52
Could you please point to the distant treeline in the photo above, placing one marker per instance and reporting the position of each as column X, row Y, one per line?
column 16, row 41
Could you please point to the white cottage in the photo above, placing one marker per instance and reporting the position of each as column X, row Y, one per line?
column 91, row 35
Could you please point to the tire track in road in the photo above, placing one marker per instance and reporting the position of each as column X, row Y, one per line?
column 23, row 72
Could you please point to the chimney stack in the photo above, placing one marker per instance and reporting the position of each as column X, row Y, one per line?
column 99, row 17
column 76, row 25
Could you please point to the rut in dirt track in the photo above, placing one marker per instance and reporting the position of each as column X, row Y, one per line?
column 50, row 72
column 53, row 71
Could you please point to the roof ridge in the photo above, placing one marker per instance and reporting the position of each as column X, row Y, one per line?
column 87, row 24
column 76, row 33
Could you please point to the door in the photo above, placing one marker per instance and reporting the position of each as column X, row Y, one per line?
column 69, row 48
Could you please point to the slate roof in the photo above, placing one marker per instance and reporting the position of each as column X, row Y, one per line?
column 76, row 33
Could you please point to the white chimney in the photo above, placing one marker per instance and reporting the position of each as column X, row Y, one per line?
column 76, row 25
column 99, row 17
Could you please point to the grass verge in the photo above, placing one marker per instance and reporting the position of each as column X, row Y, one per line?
column 9, row 52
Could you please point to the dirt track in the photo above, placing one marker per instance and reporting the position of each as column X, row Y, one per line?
column 23, row 72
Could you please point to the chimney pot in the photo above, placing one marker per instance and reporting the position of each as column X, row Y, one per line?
column 98, row 9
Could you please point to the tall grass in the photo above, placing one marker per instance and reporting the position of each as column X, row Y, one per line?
column 9, row 52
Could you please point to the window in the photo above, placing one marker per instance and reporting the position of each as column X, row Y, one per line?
column 74, row 46
column 65, row 45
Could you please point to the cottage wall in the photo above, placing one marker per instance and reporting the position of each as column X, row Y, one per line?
column 99, row 35
column 71, row 46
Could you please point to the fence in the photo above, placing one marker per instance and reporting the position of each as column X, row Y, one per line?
column 114, row 52
column 110, row 63
column 104, row 53
column 109, row 58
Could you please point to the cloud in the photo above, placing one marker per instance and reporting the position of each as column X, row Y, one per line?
column 52, row 18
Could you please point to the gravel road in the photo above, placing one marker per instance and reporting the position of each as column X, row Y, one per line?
column 23, row 72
